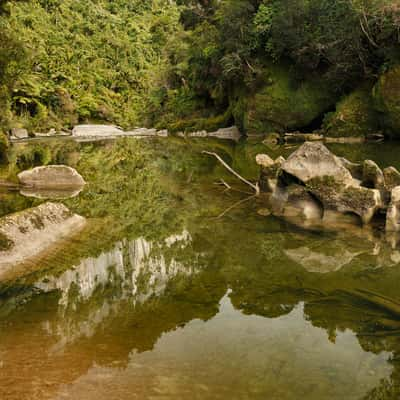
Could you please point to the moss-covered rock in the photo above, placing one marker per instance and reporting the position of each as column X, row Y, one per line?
column 354, row 116
column 3, row 148
column 286, row 103
column 386, row 95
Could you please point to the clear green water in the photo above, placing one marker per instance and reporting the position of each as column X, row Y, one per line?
column 191, row 306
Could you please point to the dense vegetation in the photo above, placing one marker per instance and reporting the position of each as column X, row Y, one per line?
column 266, row 65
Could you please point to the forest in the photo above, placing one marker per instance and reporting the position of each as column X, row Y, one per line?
column 266, row 66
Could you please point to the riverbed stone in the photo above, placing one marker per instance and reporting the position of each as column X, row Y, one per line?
column 52, row 177
column 313, row 160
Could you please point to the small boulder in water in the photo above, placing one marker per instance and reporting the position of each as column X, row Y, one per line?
column 60, row 177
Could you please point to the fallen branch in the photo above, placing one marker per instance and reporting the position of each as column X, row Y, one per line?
column 255, row 187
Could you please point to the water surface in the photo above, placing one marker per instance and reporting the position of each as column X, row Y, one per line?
column 198, row 306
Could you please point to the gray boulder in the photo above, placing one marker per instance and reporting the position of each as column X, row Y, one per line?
column 57, row 177
column 19, row 133
column 314, row 160
column 97, row 131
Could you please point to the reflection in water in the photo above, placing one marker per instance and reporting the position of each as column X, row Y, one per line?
column 167, row 319
column 240, row 307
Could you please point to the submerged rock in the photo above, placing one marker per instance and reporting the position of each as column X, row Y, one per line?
column 52, row 177
column 26, row 234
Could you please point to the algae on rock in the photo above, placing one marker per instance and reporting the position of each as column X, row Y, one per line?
column 387, row 100
column 355, row 115
column 286, row 103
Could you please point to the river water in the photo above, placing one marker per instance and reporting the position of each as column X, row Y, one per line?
column 218, row 303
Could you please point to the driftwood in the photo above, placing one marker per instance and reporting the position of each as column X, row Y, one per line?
column 255, row 187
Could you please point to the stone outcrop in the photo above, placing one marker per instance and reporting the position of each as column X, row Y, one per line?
column 58, row 177
column 315, row 184
column 26, row 234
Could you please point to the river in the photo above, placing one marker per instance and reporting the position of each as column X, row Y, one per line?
column 206, row 302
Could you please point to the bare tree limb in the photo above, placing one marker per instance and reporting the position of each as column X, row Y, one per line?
column 255, row 187
column 365, row 31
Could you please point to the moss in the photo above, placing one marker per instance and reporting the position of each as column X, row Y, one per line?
column 285, row 103
column 386, row 96
column 354, row 116
column 200, row 124
column 5, row 242
column 4, row 147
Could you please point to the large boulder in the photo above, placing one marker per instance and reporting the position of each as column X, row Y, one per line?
column 59, row 177
column 328, row 180
column 355, row 116
column 387, row 100
column 313, row 160
column 28, row 233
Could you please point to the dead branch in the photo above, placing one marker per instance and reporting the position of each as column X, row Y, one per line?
column 364, row 29
column 255, row 187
